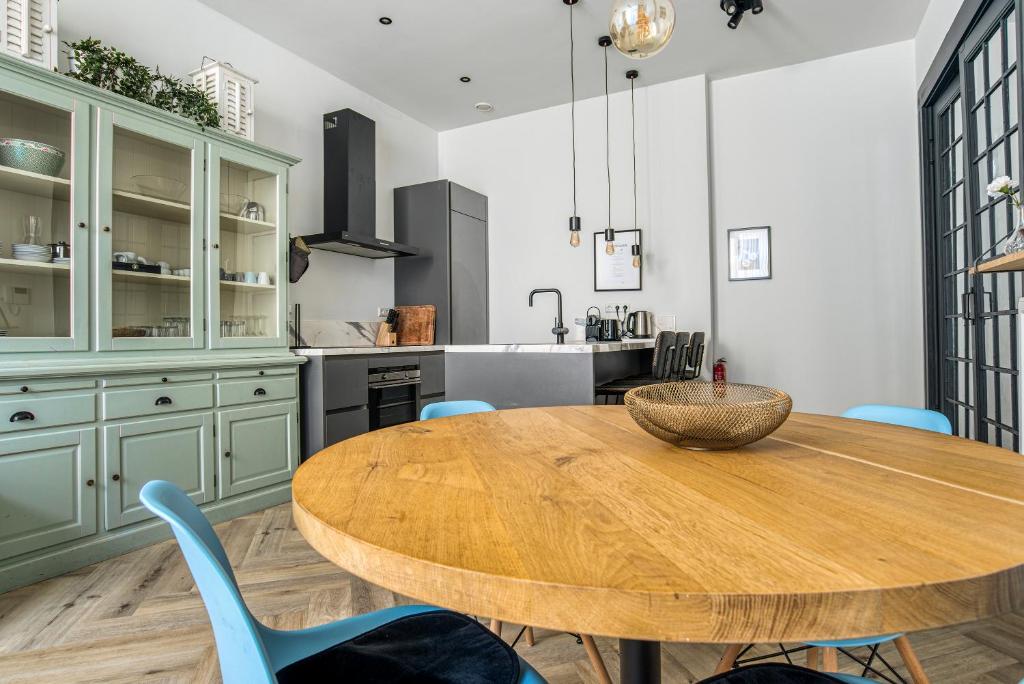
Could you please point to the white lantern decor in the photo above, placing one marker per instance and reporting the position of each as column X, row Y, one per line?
column 233, row 92
column 28, row 31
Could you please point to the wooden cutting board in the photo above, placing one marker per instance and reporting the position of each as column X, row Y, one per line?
column 416, row 324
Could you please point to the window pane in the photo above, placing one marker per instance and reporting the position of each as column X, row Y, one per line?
column 995, row 57
column 978, row 69
column 1015, row 155
column 981, row 175
column 1012, row 91
column 957, row 161
column 979, row 126
column 959, row 203
column 958, row 125
column 1011, row 39
column 995, row 108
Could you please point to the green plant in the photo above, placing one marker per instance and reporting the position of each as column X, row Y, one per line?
column 113, row 70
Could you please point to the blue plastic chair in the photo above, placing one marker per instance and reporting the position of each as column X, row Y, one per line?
column 443, row 409
column 251, row 653
column 922, row 419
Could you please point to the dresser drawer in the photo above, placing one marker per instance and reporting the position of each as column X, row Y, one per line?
column 34, row 386
column 30, row 413
column 258, row 372
column 158, row 400
column 157, row 379
column 253, row 391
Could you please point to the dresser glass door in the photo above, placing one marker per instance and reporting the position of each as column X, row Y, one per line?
column 151, row 245
column 43, row 229
column 247, row 258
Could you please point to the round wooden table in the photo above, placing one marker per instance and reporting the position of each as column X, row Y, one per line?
column 574, row 519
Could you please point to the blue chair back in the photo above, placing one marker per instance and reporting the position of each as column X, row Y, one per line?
column 443, row 409
column 243, row 654
column 922, row 419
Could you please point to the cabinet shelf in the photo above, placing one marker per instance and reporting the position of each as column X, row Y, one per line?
column 29, row 183
column 1001, row 264
column 32, row 267
column 235, row 285
column 155, row 278
column 244, row 226
column 152, row 207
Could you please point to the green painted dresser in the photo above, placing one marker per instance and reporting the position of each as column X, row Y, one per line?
column 143, row 298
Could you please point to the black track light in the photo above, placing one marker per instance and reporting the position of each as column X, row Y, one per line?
column 737, row 8
column 734, row 20
column 756, row 6
column 729, row 7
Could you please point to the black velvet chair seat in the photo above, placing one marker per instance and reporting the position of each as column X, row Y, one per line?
column 773, row 673
column 428, row 648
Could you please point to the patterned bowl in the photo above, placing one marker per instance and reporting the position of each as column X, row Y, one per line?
column 29, row 155
column 708, row 415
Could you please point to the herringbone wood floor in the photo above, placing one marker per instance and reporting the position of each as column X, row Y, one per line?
column 137, row 618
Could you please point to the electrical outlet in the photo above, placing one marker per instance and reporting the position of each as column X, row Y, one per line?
column 382, row 311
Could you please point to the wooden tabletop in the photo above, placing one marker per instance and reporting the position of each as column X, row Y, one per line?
column 573, row 518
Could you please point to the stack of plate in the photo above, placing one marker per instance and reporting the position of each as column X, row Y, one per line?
column 62, row 261
column 37, row 253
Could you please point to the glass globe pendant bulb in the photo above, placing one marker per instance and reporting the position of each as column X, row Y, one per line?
column 609, row 248
column 641, row 28
column 574, row 238
column 636, row 261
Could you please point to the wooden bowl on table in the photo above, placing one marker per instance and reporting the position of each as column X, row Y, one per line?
column 708, row 415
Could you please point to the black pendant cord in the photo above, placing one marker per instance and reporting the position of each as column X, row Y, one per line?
column 607, row 136
column 632, row 105
column 572, row 106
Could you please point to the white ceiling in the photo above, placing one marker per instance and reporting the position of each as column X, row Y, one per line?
column 516, row 51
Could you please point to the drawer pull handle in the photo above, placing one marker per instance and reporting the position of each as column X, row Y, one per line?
column 227, row 454
column 24, row 388
column 90, row 483
column 164, row 401
column 261, row 373
column 260, row 392
column 115, row 477
column 22, row 415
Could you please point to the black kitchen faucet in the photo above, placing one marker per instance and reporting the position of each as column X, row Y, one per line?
column 559, row 331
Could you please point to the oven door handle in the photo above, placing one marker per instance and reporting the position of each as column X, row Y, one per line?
column 394, row 383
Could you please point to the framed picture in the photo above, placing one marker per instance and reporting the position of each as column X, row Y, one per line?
column 750, row 253
column 616, row 271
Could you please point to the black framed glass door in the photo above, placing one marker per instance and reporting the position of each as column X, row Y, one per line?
column 973, row 137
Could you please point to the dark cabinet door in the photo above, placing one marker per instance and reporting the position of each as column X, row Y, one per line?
column 344, row 383
column 341, row 425
column 432, row 374
column 469, row 279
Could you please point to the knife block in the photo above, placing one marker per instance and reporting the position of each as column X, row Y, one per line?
column 385, row 337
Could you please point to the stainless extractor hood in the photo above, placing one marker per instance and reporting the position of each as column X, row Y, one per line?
column 350, row 191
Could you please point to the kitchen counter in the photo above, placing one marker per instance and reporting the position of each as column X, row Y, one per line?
column 354, row 351
column 576, row 347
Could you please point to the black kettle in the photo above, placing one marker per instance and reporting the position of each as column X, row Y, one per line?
column 593, row 325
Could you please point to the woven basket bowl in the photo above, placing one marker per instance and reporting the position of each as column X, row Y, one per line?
column 29, row 155
column 708, row 415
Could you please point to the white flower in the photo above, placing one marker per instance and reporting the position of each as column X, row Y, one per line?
column 1004, row 185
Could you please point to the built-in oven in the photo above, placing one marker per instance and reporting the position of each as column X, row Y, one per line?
column 394, row 394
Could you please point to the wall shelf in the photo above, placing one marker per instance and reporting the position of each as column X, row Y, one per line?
column 235, row 285
column 1001, row 264
column 143, row 205
column 29, row 183
column 32, row 267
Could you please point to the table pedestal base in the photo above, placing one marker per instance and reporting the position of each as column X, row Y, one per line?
column 639, row 662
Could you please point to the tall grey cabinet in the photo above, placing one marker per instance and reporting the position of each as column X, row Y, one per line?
column 449, row 225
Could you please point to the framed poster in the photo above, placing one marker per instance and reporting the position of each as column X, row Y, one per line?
column 616, row 271
column 750, row 253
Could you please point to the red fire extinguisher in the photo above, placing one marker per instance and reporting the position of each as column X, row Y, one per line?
column 718, row 371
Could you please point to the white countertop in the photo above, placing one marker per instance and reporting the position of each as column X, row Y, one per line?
column 573, row 347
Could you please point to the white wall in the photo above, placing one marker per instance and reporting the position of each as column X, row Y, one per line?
column 523, row 164
column 291, row 97
column 933, row 29
column 825, row 153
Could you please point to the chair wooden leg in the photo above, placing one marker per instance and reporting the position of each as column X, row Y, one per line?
column 732, row 651
column 496, row 627
column 530, row 641
column 812, row 658
column 917, row 674
column 596, row 661
column 830, row 660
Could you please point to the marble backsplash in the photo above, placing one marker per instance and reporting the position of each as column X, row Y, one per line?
column 327, row 333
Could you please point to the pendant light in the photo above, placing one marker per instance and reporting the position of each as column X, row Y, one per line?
column 609, row 232
column 632, row 75
column 574, row 221
column 641, row 28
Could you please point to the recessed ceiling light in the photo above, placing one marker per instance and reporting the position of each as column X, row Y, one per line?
column 465, row 79
column 385, row 20
column 485, row 107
